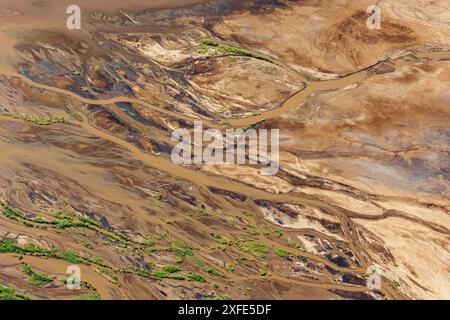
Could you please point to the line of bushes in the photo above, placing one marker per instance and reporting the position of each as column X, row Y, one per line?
column 235, row 50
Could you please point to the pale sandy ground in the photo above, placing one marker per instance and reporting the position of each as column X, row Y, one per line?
column 332, row 39
column 422, row 257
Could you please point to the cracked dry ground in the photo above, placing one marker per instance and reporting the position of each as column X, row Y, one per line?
column 85, row 170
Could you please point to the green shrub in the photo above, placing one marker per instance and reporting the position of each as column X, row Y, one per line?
column 71, row 256
column 35, row 278
column 196, row 277
column 242, row 52
column 64, row 223
column 277, row 233
column 259, row 247
column 87, row 245
column 213, row 272
column 38, row 121
column 164, row 275
column 395, row 283
column 11, row 294
column 10, row 246
column 179, row 243
column 12, row 214
column 171, row 269
column 160, row 274
column 252, row 231
column 281, row 252
column 221, row 239
column 178, row 260
column 152, row 250
column 230, row 267
column 202, row 213
column 198, row 262
column 294, row 244
column 90, row 296
column 184, row 252
column 209, row 42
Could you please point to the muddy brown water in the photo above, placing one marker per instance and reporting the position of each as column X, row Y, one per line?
column 162, row 163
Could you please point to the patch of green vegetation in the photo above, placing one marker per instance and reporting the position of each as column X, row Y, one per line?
column 58, row 119
column 109, row 275
column 201, row 213
column 38, row 121
column 99, row 262
column 294, row 244
column 223, row 296
column 242, row 52
column 277, row 233
column 242, row 246
column 259, row 247
column 272, row 232
column 234, row 50
column 11, row 294
column 203, row 49
column 219, row 296
column 252, row 231
column 230, row 267
column 35, row 278
column 140, row 272
column 165, row 275
column 196, row 277
column 160, row 274
column 213, row 271
column 198, row 262
column 183, row 252
column 71, row 256
column 69, row 220
column 122, row 236
column 281, row 252
column 179, row 243
column 209, row 42
column 152, row 250
column 395, row 283
column 178, row 260
column 40, row 220
column 11, row 213
column 63, row 223
column 171, row 269
column 246, row 213
column 160, row 236
column 89, row 296
column 57, row 213
column 221, row 239
column 89, row 221
column 157, row 196
column 266, row 231
column 87, row 245
column 11, row 246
